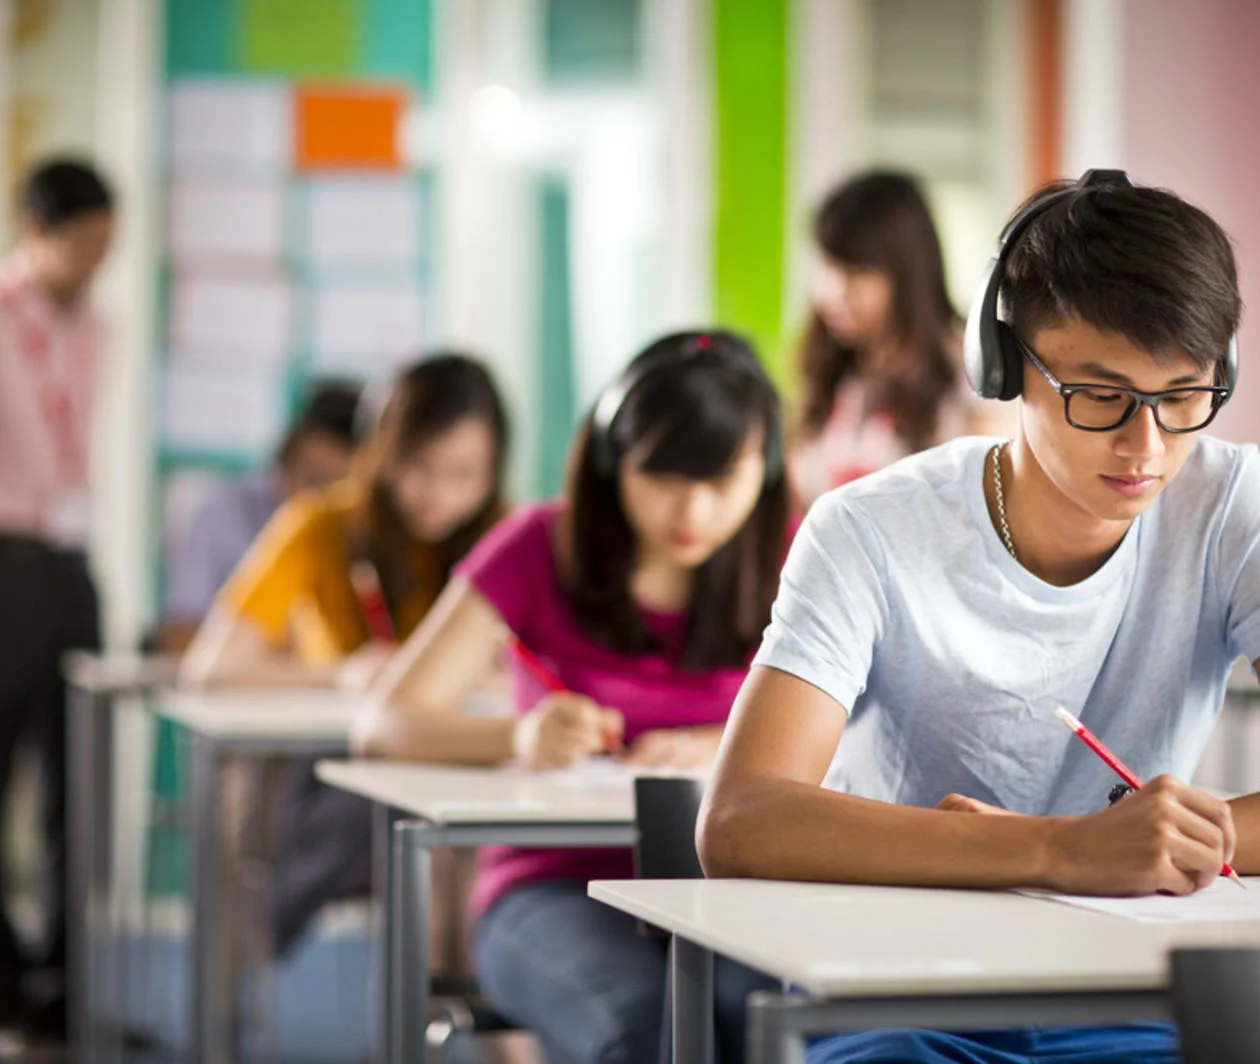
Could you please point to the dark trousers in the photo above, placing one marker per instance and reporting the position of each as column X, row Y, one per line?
column 47, row 607
column 324, row 853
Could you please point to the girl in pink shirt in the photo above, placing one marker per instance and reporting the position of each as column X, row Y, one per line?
column 645, row 591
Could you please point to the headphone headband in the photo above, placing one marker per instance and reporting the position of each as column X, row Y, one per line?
column 699, row 345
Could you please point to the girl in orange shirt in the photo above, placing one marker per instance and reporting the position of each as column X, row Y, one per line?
column 297, row 611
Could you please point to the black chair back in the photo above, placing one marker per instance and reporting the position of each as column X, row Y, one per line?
column 665, row 813
column 1216, row 999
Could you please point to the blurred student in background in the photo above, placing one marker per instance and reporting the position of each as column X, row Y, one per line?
column 315, row 453
column 51, row 347
column 644, row 592
column 338, row 577
column 880, row 362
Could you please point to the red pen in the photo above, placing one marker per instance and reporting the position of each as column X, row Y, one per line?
column 1118, row 767
column 367, row 589
column 545, row 676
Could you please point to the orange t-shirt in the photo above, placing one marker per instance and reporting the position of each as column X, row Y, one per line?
column 294, row 584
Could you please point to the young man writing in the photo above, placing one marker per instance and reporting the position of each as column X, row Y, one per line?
column 1107, row 559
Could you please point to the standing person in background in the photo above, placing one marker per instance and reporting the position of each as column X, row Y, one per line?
column 881, row 361
column 316, row 452
column 50, row 350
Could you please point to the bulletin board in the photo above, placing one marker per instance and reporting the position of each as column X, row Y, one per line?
column 295, row 239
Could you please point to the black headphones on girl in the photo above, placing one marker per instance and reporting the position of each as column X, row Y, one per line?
column 722, row 351
column 991, row 352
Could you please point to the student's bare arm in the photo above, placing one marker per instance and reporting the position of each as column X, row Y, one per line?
column 414, row 709
column 765, row 815
column 229, row 651
column 1247, row 821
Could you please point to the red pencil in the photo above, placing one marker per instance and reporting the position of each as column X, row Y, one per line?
column 1118, row 767
column 546, row 677
column 534, row 664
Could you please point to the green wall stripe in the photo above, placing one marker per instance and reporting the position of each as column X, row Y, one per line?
column 750, row 119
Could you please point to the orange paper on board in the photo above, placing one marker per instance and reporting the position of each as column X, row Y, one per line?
column 352, row 128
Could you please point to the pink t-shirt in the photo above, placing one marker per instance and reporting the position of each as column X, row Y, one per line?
column 48, row 369
column 514, row 567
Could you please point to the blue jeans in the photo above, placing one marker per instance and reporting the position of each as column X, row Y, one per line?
column 1152, row 1043
column 582, row 976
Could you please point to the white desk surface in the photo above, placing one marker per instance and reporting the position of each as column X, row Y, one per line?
column 1242, row 679
column 118, row 673
column 449, row 796
column 261, row 715
column 851, row 941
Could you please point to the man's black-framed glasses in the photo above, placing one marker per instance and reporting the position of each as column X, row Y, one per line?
column 1103, row 407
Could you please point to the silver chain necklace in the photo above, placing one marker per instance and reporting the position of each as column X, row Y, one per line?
column 1001, row 498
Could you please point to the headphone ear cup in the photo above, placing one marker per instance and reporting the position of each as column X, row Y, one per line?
column 602, row 456
column 1012, row 361
column 1231, row 366
column 982, row 343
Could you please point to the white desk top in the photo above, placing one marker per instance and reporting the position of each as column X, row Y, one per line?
column 449, row 796
column 261, row 715
column 116, row 673
column 847, row 941
column 1242, row 679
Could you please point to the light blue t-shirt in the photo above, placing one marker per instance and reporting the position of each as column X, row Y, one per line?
column 900, row 601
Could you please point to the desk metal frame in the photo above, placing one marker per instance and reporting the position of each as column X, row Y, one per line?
column 407, row 887
column 93, row 972
column 780, row 1024
column 208, row 754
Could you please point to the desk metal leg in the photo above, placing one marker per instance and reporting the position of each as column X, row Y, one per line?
column 88, row 832
column 692, row 1013
column 409, row 923
column 383, row 882
column 209, row 1016
column 770, row 1039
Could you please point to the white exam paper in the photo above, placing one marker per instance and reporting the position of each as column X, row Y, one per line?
column 1223, row 901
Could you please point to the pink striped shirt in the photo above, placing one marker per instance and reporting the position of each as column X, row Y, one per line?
column 48, row 372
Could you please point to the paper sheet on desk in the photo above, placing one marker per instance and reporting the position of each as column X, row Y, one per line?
column 1222, row 901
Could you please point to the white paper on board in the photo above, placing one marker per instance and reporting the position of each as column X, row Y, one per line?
column 208, row 407
column 234, row 128
column 243, row 321
column 374, row 221
column 372, row 327
column 214, row 221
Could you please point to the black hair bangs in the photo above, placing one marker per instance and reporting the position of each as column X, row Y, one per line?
column 692, row 424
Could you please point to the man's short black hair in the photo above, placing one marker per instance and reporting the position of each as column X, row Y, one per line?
column 60, row 190
column 330, row 410
column 1136, row 261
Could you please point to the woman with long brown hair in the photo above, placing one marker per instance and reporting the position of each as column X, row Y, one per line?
column 880, row 363
column 338, row 577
